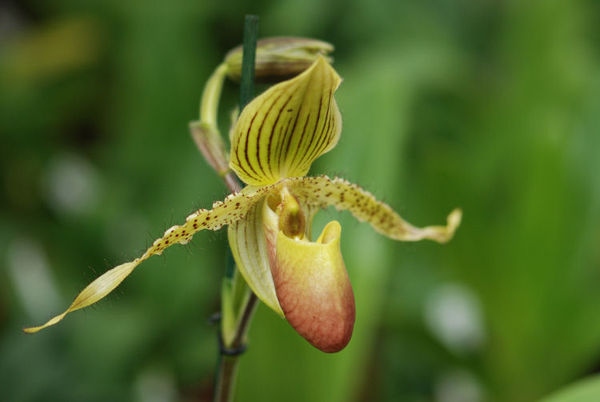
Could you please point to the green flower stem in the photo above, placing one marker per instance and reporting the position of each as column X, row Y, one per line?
column 248, row 60
column 232, row 338
column 233, row 282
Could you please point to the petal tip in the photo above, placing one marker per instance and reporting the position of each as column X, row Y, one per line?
column 49, row 323
column 33, row 330
column 452, row 223
column 443, row 234
column 454, row 219
column 323, row 64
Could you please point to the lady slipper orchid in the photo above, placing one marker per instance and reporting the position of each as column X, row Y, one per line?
column 274, row 142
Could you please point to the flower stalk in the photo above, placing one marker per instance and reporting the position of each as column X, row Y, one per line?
column 234, row 324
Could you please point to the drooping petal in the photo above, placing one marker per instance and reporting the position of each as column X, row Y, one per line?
column 281, row 132
column 323, row 191
column 232, row 209
column 248, row 246
column 313, row 288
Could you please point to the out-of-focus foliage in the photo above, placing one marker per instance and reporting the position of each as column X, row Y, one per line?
column 493, row 106
column 582, row 391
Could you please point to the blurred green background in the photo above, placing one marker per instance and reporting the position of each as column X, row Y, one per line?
column 493, row 106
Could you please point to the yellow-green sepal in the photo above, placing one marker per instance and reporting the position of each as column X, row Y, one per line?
column 282, row 131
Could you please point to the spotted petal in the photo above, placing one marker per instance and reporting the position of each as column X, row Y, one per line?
column 323, row 191
column 281, row 132
column 232, row 209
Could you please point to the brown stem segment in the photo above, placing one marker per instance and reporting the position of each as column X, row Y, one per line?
column 226, row 378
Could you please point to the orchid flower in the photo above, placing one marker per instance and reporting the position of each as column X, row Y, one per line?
column 274, row 142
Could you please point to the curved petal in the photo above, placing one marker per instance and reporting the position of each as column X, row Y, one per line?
column 232, row 209
column 343, row 195
column 281, row 132
column 313, row 288
column 248, row 246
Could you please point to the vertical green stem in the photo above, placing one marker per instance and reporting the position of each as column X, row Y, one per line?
column 228, row 363
column 248, row 60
